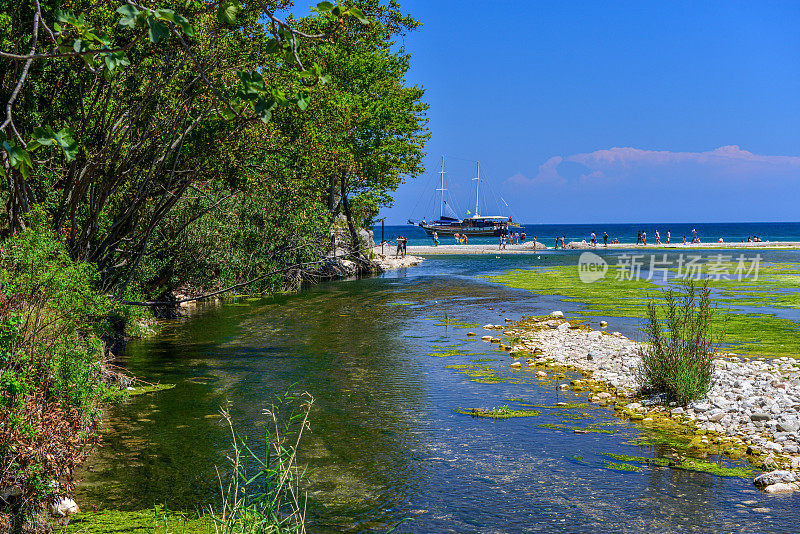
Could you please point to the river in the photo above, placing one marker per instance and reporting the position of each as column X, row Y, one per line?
column 386, row 447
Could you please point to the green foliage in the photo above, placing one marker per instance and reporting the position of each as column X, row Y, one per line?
column 680, row 361
column 51, row 379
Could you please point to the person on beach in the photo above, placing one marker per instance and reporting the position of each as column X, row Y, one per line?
column 435, row 239
column 695, row 237
column 563, row 239
column 605, row 239
column 658, row 238
column 669, row 234
column 594, row 239
column 455, row 236
column 644, row 238
column 522, row 237
column 556, row 247
column 638, row 237
column 534, row 242
column 399, row 248
column 465, row 238
column 684, row 240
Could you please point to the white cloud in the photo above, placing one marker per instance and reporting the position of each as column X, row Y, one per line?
column 725, row 162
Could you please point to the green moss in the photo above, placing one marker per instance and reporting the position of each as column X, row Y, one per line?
column 502, row 412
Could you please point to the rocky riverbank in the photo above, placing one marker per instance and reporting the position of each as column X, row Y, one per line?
column 752, row 410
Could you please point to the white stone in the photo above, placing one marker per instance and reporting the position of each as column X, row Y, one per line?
column 780, row 487
column 63, row 506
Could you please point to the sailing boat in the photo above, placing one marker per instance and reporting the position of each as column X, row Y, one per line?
column 449, row 223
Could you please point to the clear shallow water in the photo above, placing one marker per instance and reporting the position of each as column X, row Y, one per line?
column 386, row 447
column 626, row 233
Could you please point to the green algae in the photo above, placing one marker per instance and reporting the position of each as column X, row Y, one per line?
column 713, row 468
column 619, row 466
column 501, row 412
column 663, row 462
column 154, row 521
column 688, row 464
column 564, row 406
column 485, row 374
column 580, row 429
column 734, row 328
column 151, row 388
column 448, row 352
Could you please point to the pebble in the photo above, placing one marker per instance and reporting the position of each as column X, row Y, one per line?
column 756, row 401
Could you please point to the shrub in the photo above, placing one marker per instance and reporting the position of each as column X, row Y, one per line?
column 52, row 388
column 679, row 357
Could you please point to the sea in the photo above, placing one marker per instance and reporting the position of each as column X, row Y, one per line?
column 730, row 232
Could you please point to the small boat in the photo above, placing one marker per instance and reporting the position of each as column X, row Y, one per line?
column 449, row 223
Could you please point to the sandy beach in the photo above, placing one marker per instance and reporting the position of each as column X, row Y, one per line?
column 527, row 248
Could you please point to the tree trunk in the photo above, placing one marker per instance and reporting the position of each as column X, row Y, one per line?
column 355, row 242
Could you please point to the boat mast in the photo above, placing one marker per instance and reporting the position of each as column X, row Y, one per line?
column 442, row 189
column 477, row 190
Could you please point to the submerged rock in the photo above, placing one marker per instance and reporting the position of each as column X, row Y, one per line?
column 780, row 487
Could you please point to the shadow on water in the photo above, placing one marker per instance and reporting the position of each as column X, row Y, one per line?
column 386, row 446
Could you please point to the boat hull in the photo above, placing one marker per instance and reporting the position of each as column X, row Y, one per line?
column 486, row 231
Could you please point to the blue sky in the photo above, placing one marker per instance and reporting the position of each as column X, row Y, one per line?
column 585, row 112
